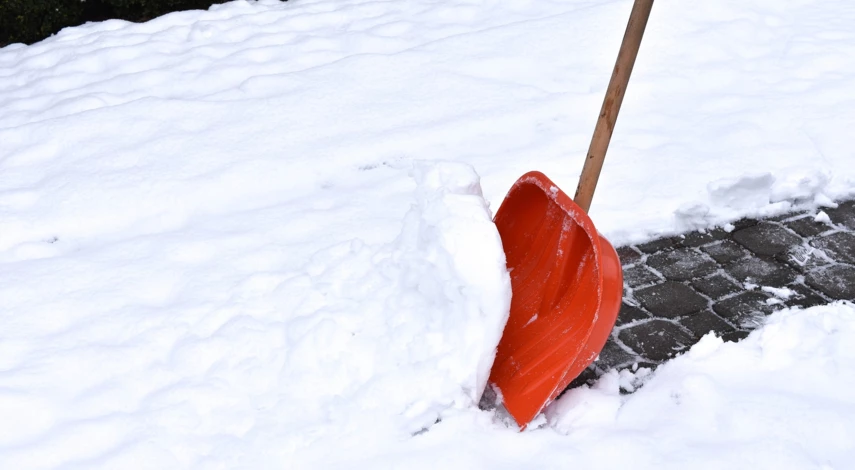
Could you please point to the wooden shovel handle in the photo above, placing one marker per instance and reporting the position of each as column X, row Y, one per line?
column 611, row 103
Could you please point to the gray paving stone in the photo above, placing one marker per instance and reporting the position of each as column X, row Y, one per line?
column 836, row 281
column 670, row 299
column 696, row 239
column 807, row 227
column 844, row 214
column 803, row 259
column 705, row 321
column 744, row 309
column 672, row 315
column 804, row 297
column 735, row 336
column 629, row 314
column 839, row 246
column 766, row 239
column 743, row 223
column 725, row 252
column 762, row 272
column 639, row 275
column 682, row 264
column 657, row 339
column 656, row 245
column 716, row 286
column 628, row 255
column 613, row 356
column 587, row 377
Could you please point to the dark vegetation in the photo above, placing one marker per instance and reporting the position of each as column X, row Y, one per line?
column 29, row 21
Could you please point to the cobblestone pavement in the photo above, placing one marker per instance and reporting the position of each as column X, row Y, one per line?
column 678, row 289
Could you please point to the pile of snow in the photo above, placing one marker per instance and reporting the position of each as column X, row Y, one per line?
column 789, row 383
column 403, row 332
column 780, row 399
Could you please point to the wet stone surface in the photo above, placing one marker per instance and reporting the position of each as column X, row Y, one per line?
column 630, row 314
column 670, row 299
column 628, row 255
column 704, row 322
column 663, row 244
column 613, row 355
column 639, row 275
column 766, row 238
column 657, row 340
column 805, row 259
column 762, row 272
column 744, row 309
column 843, row 215
column 678, row 289
column 840, row 245
column 743, row 223
column 696, row 239
column 682, row 264
column 836, row 281
column 725, row 252
column 716, row 286
column 804, row 297
column 807, row 226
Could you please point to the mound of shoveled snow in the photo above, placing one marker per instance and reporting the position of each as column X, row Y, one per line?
column 779, row 399
column 396, row 334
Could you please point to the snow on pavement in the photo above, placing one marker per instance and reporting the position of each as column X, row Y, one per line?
column 214, row 254
column 779, row 399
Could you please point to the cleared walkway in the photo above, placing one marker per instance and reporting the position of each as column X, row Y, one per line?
column 678, row 289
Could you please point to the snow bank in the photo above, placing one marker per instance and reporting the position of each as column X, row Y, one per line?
column 409, row 330
column 780, row 399
column 799, row 360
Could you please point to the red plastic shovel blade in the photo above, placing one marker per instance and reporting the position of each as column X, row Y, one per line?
column 567, row 287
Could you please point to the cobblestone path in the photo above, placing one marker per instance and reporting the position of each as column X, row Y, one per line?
column 680, row 288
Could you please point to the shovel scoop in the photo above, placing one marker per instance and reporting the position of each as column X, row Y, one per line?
column 566, row 278
column 567, row 287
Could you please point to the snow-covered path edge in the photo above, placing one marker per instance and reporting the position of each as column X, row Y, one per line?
column 779, row 399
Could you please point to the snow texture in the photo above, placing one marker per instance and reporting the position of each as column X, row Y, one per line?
column 781, row 398
column 213, row 255
column 362, row 339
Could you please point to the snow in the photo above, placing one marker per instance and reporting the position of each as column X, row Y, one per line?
column 779, row 399
column 782, row 398
column 780, row 292
column 259, row 236
column 384, row 337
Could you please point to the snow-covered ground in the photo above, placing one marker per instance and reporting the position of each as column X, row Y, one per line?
column 256, row 237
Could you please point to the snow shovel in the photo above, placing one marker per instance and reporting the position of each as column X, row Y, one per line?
column 566, row 279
